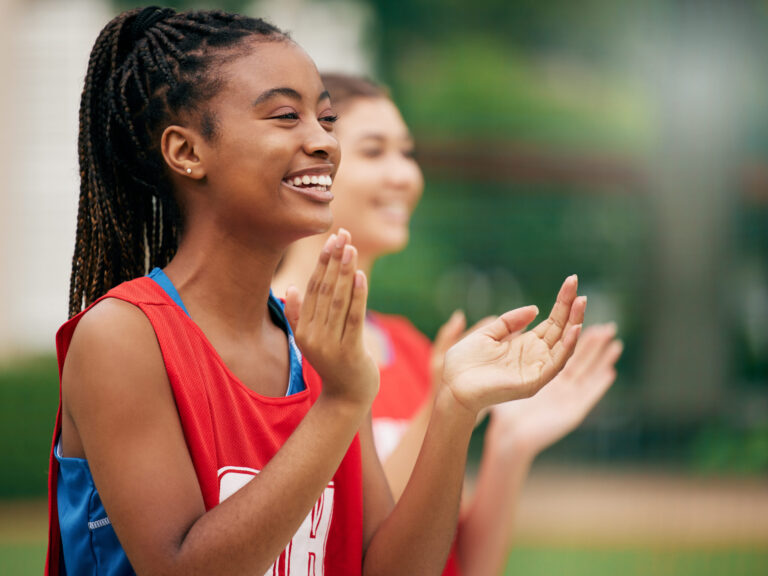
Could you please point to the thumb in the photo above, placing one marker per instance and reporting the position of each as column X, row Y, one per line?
column 510, row 322
column 450, row 332
column 292, row 306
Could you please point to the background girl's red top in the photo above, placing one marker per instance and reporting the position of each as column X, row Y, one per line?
column 406, row 383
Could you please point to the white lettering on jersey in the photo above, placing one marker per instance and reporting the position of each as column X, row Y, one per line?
column 305, row 553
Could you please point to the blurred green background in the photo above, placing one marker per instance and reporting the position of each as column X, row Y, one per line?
column 623, row 141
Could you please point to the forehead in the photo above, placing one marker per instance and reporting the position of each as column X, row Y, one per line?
column 265, row 65
column 372, row 117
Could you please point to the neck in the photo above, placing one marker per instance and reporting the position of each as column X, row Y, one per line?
column 224, row 283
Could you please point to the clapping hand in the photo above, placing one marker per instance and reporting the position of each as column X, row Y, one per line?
column 496, row 363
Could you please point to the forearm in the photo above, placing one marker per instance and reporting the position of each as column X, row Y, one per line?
column 486, row 531
column 400, row 463
column 249, row 530
column 417, row 535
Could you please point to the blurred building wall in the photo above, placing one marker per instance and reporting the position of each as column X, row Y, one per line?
column 47, row 45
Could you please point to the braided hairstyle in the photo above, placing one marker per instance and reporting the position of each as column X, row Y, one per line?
column 148, row 69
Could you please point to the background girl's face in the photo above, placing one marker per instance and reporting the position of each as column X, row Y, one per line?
column 378, row 183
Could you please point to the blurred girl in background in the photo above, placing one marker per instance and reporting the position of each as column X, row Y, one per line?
column 376, row 189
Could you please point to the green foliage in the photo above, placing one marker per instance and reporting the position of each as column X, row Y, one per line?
column 721, row 448
column 478, row 86
column 29, row 395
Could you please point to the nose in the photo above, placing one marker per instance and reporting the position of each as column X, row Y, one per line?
column 321, row 143
column 403, row 173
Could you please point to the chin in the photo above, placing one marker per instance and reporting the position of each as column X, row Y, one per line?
column 390, row 243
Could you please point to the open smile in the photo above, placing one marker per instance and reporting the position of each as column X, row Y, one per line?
column 315, row 187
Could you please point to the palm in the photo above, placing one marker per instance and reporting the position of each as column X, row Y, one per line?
column 497, row 364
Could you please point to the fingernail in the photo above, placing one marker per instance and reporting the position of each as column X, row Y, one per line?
column 340, row 239
column 329, row 243
column 347, row 255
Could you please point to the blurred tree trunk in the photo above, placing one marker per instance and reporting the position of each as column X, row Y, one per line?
column 694, row 183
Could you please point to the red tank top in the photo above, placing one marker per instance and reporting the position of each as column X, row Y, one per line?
column 232, row 433
column 404, row 386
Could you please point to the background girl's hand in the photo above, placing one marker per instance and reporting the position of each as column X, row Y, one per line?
column 495, row 364
column 535, row 423
column 328, row 324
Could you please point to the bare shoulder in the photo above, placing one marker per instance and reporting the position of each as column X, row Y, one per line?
column 113, row 370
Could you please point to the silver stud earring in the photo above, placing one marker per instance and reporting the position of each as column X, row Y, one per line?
column 189, row 170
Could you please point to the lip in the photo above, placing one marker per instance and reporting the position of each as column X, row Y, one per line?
column 315, row 194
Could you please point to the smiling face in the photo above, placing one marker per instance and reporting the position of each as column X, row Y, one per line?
column 268, row 166
column 379, row 183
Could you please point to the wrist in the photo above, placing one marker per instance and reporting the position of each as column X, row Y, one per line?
column 352, row 406
column 509, row 442
column 446, row 403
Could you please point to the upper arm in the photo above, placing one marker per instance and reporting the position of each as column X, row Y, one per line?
column 116, row 392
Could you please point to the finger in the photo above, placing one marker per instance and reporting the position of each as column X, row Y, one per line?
column 449, row 332
column 590, row 348
column 479, row 324
column 327, row 286
column 551, row 329
column 313, row 286
column 353, row 328
column 342, row 294
column 292, row 306
column 561, row 351
column 598, row 385
column 510, row 322
column 610, row 356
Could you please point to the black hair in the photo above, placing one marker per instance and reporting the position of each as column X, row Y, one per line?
column 148, row 68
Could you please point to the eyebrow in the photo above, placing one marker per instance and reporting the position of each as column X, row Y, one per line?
column 288, row 92
column 381, row 138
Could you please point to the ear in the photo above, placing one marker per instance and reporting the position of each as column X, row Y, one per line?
column 180, row 150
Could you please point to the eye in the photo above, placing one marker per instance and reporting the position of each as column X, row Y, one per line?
column 286, row 116
column 410, row 153
column 329, row 119
column 372, row 152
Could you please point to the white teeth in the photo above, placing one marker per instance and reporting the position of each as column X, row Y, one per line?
column 314, row 180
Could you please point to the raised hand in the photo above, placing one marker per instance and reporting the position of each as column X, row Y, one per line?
column 495, row 364
column 328, row 324
column 535, row 423
column 449, row 334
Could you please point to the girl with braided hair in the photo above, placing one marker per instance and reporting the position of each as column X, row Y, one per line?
column 196, row 434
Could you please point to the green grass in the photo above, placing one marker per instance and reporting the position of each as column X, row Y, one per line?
column 547, row 561
column 22, row 559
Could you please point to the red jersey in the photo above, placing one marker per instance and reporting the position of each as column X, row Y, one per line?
column 232, row 433
column 404, row 387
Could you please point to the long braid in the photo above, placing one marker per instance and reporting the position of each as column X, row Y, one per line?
column 146, row 68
